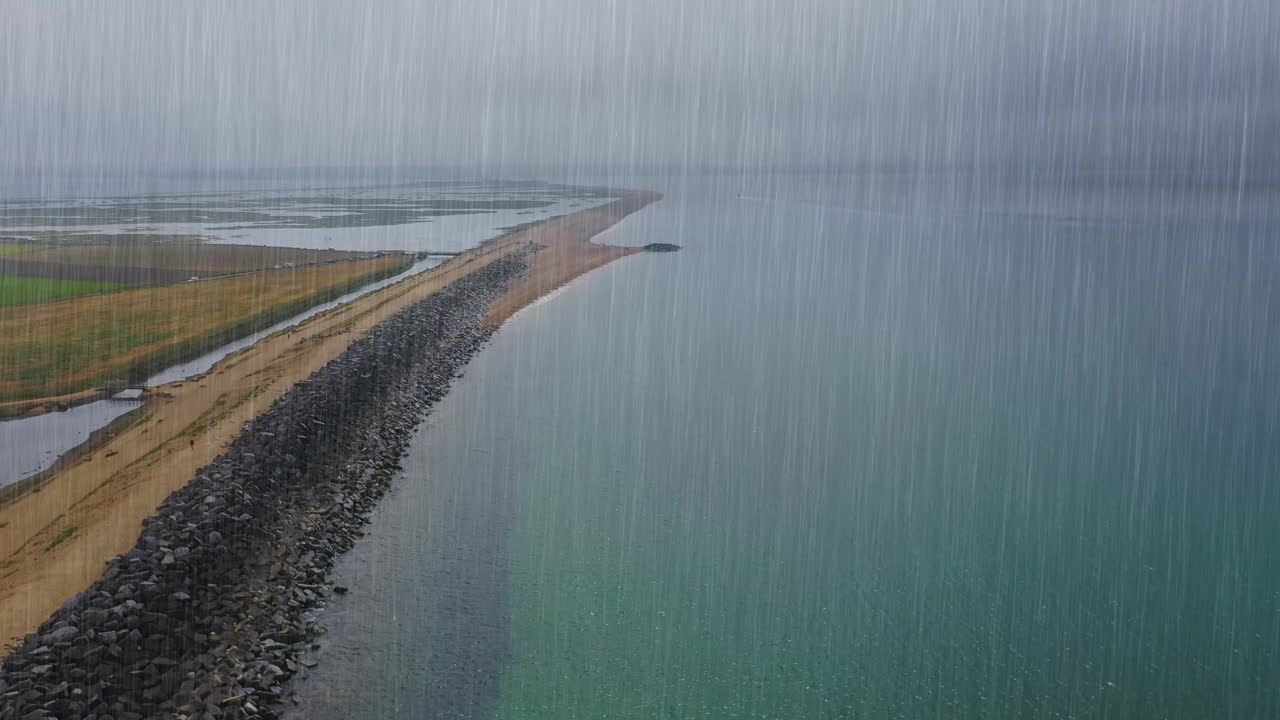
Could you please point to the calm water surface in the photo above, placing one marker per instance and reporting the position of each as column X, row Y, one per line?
column 859, row 450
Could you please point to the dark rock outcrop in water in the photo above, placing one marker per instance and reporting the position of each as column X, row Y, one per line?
column 208, row 615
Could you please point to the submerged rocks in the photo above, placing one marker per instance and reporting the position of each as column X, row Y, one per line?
column 209, row 613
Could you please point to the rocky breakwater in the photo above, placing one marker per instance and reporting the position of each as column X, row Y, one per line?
column 210, row 614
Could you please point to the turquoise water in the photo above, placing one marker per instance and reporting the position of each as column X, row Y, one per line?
column 864, row 448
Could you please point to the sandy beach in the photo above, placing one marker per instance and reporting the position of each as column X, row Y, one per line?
column 56, row 538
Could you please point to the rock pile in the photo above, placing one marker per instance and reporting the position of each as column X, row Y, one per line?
column 209, row 614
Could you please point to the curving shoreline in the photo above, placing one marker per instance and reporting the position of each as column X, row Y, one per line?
column 208, row 608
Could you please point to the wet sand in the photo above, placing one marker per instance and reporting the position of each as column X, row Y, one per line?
column 569, row 252
column 54, row 541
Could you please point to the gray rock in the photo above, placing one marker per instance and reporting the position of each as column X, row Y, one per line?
column 64, row 634
column 269, row 518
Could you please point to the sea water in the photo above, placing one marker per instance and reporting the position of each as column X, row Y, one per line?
column 868, row 446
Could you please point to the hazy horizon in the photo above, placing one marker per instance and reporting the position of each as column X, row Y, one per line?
column 1177, row 88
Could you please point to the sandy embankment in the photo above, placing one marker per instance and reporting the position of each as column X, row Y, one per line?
column 55, row 541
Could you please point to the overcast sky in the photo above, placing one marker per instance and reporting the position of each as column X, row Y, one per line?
column 1165, row 83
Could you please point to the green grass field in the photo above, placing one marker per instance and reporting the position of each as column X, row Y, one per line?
column 17, row 248
column 25, row 290
column 52, row 348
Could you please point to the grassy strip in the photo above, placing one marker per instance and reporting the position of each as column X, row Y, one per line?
column 185, row 254
column 196, row 346
column 18, row 248
column 122, row 347
column 62, row 536
column 27, row 290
